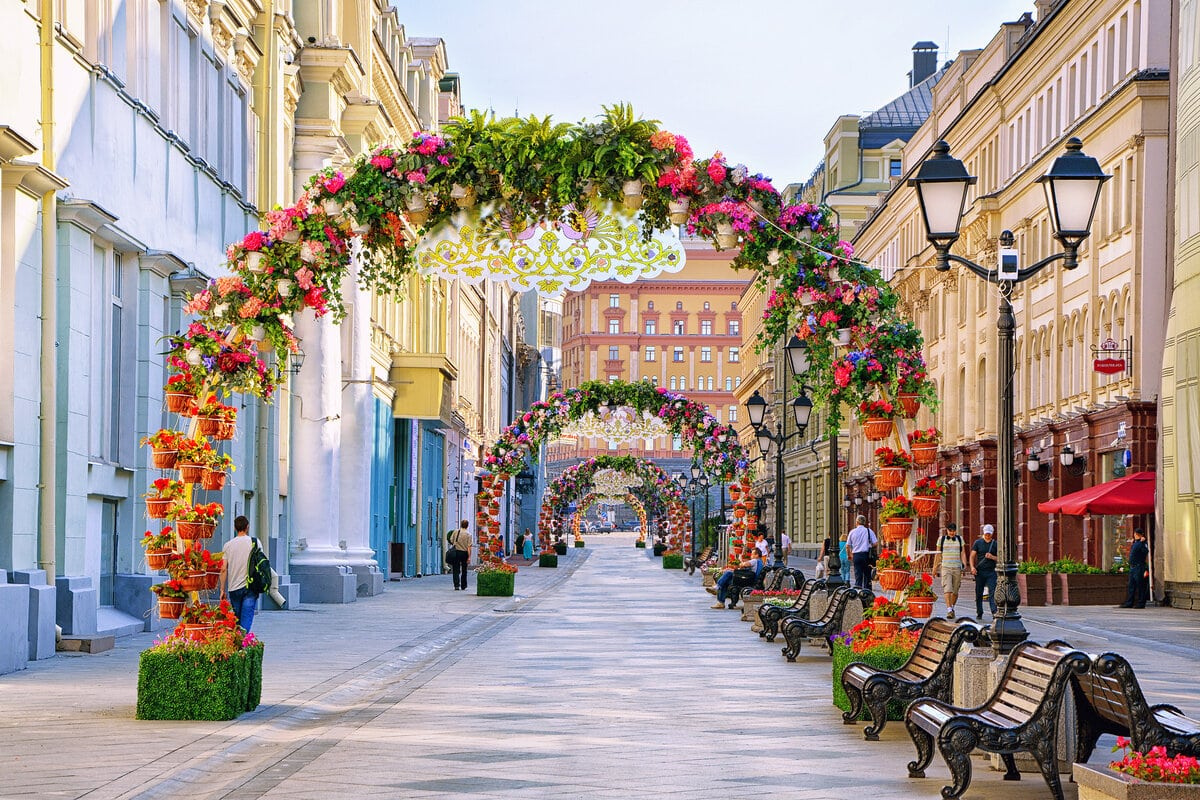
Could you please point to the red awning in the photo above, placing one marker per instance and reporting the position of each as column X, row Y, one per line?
column 1133, row 494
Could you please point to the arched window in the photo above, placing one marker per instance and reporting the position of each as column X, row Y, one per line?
column 710, row 383
column 650, row 305
column 962, row 402
column 679, row 305
column 729, row 384
column 981, row 395
column 706, row 306
column 674, row 383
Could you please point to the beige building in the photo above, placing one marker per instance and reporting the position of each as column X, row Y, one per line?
column 1096, row 70
column 1180, row 484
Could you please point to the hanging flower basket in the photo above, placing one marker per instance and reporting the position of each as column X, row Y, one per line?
column 194, row 581
column 191, row 473
column 678, row 210
column 208, row 426
column 157, row 507
column 157, row 559
column 927, row 506
column 198, row 632
column 739, row 512
column 886, row 626
column 843, row 337
column 897, row 529
column 211, row 579
column 726, row 238
column 177, row 402
column 920, row 607
column 910, row 404
column 924, row 454
column 876, row 429
column 164, row 459
column 213, row 481
column 893, row 580
column 735, row 492
column 170, row 607
column 889, row 478
column 195, row 530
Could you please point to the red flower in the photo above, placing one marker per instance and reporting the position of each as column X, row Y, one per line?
column 254, row 240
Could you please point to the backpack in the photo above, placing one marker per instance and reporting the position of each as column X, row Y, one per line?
column 259, row 570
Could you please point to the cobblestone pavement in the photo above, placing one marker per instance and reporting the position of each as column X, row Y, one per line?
column 608, row 677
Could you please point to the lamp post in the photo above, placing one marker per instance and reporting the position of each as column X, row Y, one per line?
column 1072, row 188
column 756, row 407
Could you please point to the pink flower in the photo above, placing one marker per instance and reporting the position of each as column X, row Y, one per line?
column 716, row 169
column 304, row 277
column 416, row 176
column 444, row 160
column 334, row 184
column 254, row 241
column 382, row 162
column 250, row 308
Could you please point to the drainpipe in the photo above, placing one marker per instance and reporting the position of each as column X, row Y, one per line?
column 47, row 485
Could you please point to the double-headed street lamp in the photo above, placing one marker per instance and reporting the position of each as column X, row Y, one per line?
column 692, row 489
column 1072, row 189
column 756, row 407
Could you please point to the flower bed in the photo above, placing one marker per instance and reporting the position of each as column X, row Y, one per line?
column 861, row 643
column 216, row 679
column 672, row 561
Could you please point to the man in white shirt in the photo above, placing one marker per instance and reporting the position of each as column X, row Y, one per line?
column 785, row 544
column 235, row 573
column 761, row 543
column 859, row 544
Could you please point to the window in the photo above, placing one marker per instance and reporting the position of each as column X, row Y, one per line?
column 654, row 379
column 677, row 354
column 710, row 383
column 651, row 327
column 894, row 168
column 614, row 378
column 729, row 384
column 676, row 442
column 116, row 367
column 737, row 382
column 614, row 326
column 735, row 327
column 706, row 327
column 733, row 413
column 674, row 383
column 614, row 301
column 651, row 353
column 706, row 354
column 614, row 353
column 650, row 305
column 733, row 306
column 679, row 305
column 735, row 355
column 678, row 327
column 683, row 383
column 706, row 306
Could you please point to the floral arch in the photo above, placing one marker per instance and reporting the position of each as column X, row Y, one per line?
column 542, row 207
column 592, row 499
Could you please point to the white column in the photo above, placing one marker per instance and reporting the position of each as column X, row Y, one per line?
column 358, row 425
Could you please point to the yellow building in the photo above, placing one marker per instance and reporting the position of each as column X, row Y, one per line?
column 1097, row 71
column 1180, row 484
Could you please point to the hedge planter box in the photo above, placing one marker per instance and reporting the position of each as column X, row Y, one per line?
column 191, row 686
column 548, row 560
column 659, row 548
column 1035, row 589
column 495, row 584
column 561, row 548
column 843, row 657
column 1090, row 590
column 674, row 561
column 579, row 542
column 1101, row 783
column 640, row 545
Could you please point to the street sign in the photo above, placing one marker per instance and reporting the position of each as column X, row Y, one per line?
column 1109, row 366
column 1112, row 357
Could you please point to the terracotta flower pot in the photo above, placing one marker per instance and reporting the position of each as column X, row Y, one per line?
column 208, row 426
column 897, row 529
column 876, row 429
column 177, row 402
column 195, row 530
column 886, row 625
column 170, row 607
column 213, row 481
column 927, row 506
column 157, row 507
column 211, row 579
column 191, row 473
column 164, row 459
column 920, row 607
column 909, row 404
column 894, row 579
column 225, row 430
column 198, row 633
column 157, row 559
column 889, row 478
column 924, row 453
column 193, row 582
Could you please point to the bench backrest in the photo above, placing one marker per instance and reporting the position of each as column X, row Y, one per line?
column 837, row 603
column 938, row 636
column 1035, row 680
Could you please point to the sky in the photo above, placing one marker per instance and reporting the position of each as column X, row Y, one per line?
column 760, row 80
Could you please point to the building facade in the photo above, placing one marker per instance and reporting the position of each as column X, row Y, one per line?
column 1093, row 70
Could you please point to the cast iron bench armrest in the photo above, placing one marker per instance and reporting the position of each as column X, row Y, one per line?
column 796, row 630
column 771, row 616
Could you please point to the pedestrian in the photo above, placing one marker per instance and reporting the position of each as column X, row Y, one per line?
column 844, row 560
column 983, row 567
column 520, row 547
column 527, row 553
column 859, row 542
column 459, row 554
column 746, row 574
column 761, row 544
column 235, row 573
column 785, row 545
column 822, row 569
column 948, row 562
column 1139, row 572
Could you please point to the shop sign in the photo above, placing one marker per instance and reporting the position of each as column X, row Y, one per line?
column 1109, row 364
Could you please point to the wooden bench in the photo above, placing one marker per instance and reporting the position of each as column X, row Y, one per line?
column 1109, row 699
column 796, row 630
column 771, row 616
column 691, row 562
column 1020, row 716
column 926, row 674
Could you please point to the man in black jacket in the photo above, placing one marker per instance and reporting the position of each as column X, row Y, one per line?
column 1139, row 572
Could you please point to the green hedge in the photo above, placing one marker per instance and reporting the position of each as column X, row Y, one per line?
column 640, row 544
column 560, row 548
column 674, row 561
column 579, row 542
column 659, row 548
column 548, row 560
column 843, row 656
column 191, row 686
column 495, row 584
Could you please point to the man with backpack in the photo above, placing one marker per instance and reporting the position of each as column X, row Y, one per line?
column 245, row 572
column 459, row 554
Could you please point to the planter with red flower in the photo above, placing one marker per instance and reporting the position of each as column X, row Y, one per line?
column 927, row 496
column 216, row 472
column 180, row 390
column 198, row 521
column 164, row 495
column 877, row 418
column 884, row 615
column 201, row 622
column 172, row 597
column 894, row 570
column 893, row 468
column 194, row 456
column 191, row 567
column 215, row 419
column 924, row 446
column 897, row 516
column 159, row 547
column 164, row 449
column 919, row 597
column 1153, row 775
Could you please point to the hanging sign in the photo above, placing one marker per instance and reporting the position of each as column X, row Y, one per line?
column 1108, row 363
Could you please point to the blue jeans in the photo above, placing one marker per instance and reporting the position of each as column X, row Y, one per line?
column 983, row 579
column 862, row 570
column 244, row 603
column 723, row 582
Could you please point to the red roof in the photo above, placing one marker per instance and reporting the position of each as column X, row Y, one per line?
column 1133, row 494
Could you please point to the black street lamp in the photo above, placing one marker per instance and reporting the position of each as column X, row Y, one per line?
column 756, row 409
column 1072, row 189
